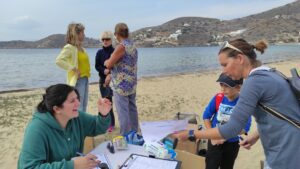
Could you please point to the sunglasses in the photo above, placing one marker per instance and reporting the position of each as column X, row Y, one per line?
column 228, row 45
column 105, row 39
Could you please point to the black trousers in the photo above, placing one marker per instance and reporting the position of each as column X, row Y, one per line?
column 222, row 156
column 107, row 93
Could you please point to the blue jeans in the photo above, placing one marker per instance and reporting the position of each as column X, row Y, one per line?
column 107, row 93
column 266, row 165
column 82, row 86
column 127, row 112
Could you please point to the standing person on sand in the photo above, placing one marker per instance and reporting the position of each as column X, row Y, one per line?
column 123, row 65
column 104, row 73
column 279, row 138
column 222, row 153
column 74, row 59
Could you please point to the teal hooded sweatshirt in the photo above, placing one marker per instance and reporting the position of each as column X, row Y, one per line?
column 47, row 145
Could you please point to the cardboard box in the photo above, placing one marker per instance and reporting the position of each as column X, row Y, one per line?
column 189, row 160
column 187, row 152
column 188, row 146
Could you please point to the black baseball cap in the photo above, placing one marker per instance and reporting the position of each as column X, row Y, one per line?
column 228, row 81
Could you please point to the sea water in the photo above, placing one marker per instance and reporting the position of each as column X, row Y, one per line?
column 35, row 68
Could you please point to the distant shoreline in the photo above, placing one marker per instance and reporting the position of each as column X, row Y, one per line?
column 271, row 44
column 211, row 70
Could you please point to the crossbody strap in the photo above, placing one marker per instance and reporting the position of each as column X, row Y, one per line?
column 279, row 115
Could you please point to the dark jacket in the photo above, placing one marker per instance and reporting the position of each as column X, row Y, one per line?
column 102, row 55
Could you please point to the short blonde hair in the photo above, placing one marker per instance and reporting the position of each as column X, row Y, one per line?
column 106, row 34
column 73, row 31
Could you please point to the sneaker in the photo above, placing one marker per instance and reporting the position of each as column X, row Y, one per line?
column 134, row 138
column 110, row 129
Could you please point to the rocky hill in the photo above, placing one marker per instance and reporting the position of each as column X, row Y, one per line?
column 279, row 25
column 52, row 41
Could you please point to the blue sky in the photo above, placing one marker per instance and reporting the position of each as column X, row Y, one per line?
column 36, row 19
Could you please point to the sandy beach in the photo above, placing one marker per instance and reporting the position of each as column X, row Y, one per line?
column 158, row 98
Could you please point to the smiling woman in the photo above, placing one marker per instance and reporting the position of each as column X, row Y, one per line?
column 57, row 131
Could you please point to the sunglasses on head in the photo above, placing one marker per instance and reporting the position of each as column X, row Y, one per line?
column 228, row 45
column 105, row 39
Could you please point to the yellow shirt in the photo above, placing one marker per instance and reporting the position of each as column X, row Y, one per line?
column 83, row 64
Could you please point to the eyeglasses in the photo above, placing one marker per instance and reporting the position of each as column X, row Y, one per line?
column 105, row 39
column 228, row 45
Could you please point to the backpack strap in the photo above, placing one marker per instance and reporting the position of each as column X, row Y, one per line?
column 279, row 115
column 219, row 99
column 275, row 112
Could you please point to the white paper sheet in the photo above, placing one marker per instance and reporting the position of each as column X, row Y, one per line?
column 140, row 162
column 157, row 130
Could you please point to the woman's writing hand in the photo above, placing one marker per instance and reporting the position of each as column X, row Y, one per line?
column 87, row 162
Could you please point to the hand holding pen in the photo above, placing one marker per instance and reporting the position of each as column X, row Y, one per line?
column 88, row 161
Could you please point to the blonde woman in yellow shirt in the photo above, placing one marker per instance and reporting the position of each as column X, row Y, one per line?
column 74, row 59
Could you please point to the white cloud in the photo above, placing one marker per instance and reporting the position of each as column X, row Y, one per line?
column 23, row 22
column 22, row 27
column 32, row 20
column 21, row 18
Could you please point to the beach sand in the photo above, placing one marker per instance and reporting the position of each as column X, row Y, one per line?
column 158, row 98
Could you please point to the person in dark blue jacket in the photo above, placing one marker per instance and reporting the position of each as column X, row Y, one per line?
column 104, row 73
column 222, row 153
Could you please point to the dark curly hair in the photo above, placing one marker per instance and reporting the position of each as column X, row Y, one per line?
column 55, row 95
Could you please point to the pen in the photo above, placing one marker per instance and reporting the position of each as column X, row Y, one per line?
column 80, row 154
column 241, row 138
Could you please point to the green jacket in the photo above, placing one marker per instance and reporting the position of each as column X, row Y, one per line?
column 47, row 145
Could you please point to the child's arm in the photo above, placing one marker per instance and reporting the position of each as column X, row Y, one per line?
column 248, row 125
column 210, row 110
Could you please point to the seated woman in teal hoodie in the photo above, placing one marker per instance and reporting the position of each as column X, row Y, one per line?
column 57, row 131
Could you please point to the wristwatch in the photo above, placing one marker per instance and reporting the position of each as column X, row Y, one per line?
column 192, row 136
